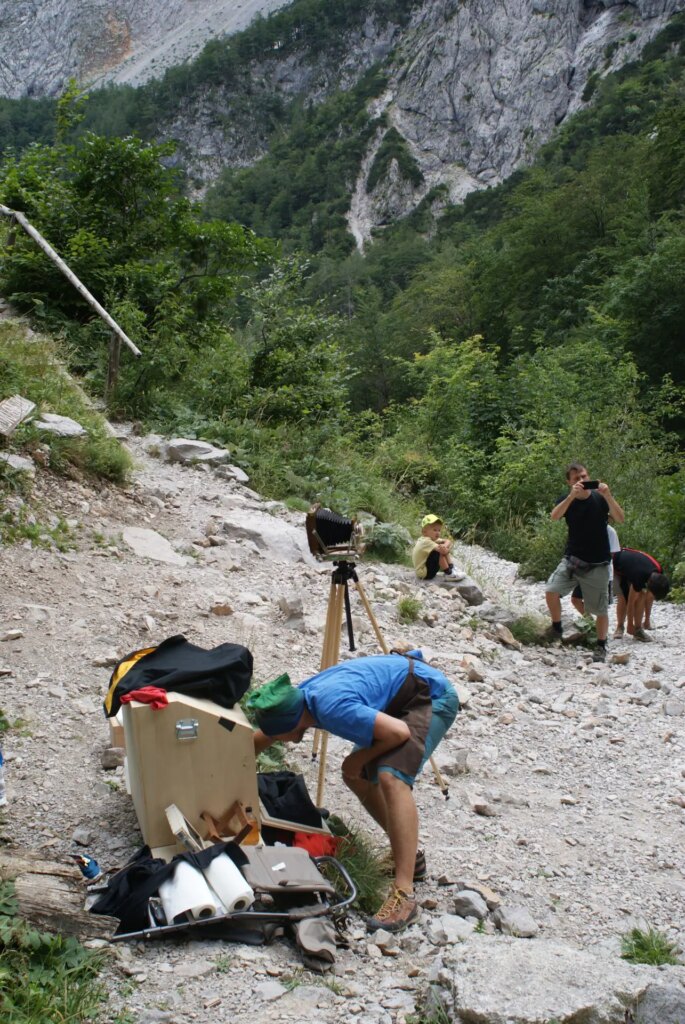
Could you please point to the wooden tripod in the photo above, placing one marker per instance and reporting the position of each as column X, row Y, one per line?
column 339, row 600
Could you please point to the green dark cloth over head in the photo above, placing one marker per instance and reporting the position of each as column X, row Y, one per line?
column 278, row 706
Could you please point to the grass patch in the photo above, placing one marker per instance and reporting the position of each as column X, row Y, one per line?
column 33, row 367
column 44, row 978
column 648, row 947
column 364, row 861
column 408, row 610
column 530, row 629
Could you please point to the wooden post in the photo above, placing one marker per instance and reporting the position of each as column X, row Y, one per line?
column 51, row 896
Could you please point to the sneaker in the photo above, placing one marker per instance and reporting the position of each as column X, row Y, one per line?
column 643, row 637
column 399, row 910
column 619, row 632
column 454, row 574
column 599, row 654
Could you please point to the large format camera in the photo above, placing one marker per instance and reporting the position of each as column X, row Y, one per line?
column 334, row 537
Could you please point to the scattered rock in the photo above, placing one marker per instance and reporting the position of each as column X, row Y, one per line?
column 185, row 450
column 61, row 426
column 515, row 921
column 468, row 903
column 150, row 544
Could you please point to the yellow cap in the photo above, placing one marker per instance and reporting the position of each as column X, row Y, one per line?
column 429, row 520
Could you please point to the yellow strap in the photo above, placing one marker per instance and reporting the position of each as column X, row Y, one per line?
column 121, row 670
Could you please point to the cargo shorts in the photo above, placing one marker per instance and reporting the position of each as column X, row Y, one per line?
column 593, row 583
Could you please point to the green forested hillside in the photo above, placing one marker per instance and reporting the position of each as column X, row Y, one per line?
column 457, row 366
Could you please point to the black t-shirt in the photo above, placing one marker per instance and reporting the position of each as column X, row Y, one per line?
column 587, row 528
column 636, row 566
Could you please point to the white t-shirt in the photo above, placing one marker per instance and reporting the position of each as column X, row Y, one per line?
column 614, row 545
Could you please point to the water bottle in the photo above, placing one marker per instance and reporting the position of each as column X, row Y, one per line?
column 3, row 791
column 90, row 869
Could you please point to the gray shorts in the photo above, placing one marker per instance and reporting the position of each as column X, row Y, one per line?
column 593, row 583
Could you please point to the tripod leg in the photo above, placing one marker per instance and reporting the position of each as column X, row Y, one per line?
column 372, row 618
column 334, row 655
column 331, row 643
column 444, row 789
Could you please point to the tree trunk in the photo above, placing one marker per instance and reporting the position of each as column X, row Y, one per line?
column 51, row 896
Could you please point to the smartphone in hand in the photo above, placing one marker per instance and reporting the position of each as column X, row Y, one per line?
column 590, row 485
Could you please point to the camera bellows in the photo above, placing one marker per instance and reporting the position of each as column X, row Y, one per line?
column 327, row 532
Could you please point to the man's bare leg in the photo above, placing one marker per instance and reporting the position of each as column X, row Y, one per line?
column 403, row 828
column 649, row 601
column 578, row 604
column 602, row 625
column 372, row 800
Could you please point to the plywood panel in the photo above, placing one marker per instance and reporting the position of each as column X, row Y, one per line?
column 203, row 774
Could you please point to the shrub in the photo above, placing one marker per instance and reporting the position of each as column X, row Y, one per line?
column 388, row 541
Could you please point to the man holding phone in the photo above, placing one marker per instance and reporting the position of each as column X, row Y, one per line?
column 586, row 509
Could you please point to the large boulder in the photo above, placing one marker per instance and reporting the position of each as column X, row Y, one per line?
column 275, row 539
column 181, row 449
column 514, row 981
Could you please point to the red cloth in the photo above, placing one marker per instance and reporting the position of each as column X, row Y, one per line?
column 151, row 695
column 317, row 845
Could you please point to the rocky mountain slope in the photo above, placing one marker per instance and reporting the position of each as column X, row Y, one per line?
column 96, row 41
column 567, row 778
column 473, row 89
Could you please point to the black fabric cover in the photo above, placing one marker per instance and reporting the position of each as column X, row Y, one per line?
column 128, row 891
column 222, row 674
column 284, row 795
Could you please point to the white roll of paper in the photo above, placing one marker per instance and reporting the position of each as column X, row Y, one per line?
column 228, row 884
column 186, row 895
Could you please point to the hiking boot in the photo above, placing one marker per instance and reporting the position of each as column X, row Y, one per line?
column 552, row 636
column 399, row 910
column 420, row 869
column 619, row 632
column 643, row 637
column 599, row 654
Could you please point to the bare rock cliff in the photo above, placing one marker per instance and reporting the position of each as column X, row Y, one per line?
column 479, row 86
column 46, row 42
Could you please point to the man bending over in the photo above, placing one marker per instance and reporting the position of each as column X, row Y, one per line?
column 639, row 580
column 395, row 709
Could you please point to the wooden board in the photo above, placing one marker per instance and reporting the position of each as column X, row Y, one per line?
column 206, row 773
column 12, row 412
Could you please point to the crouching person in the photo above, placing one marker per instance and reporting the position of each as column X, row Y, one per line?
column 395, row 709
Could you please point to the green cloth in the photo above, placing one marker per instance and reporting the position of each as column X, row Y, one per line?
column 277, row 705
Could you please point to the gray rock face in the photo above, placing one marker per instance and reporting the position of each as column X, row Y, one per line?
column 661, row 1004
column 480, row 86
column 513, row 982
column 130, row 41
column 474, row 89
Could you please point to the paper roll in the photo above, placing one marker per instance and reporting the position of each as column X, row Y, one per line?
column 228, row 884
column 186, row 895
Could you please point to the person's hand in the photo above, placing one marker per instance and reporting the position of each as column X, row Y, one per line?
column 577, row 489
column 603, row 488
column 353, row 765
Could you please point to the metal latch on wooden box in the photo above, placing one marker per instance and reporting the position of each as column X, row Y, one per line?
column 186, row 729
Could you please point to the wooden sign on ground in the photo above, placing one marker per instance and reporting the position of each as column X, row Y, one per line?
column 14, row 411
